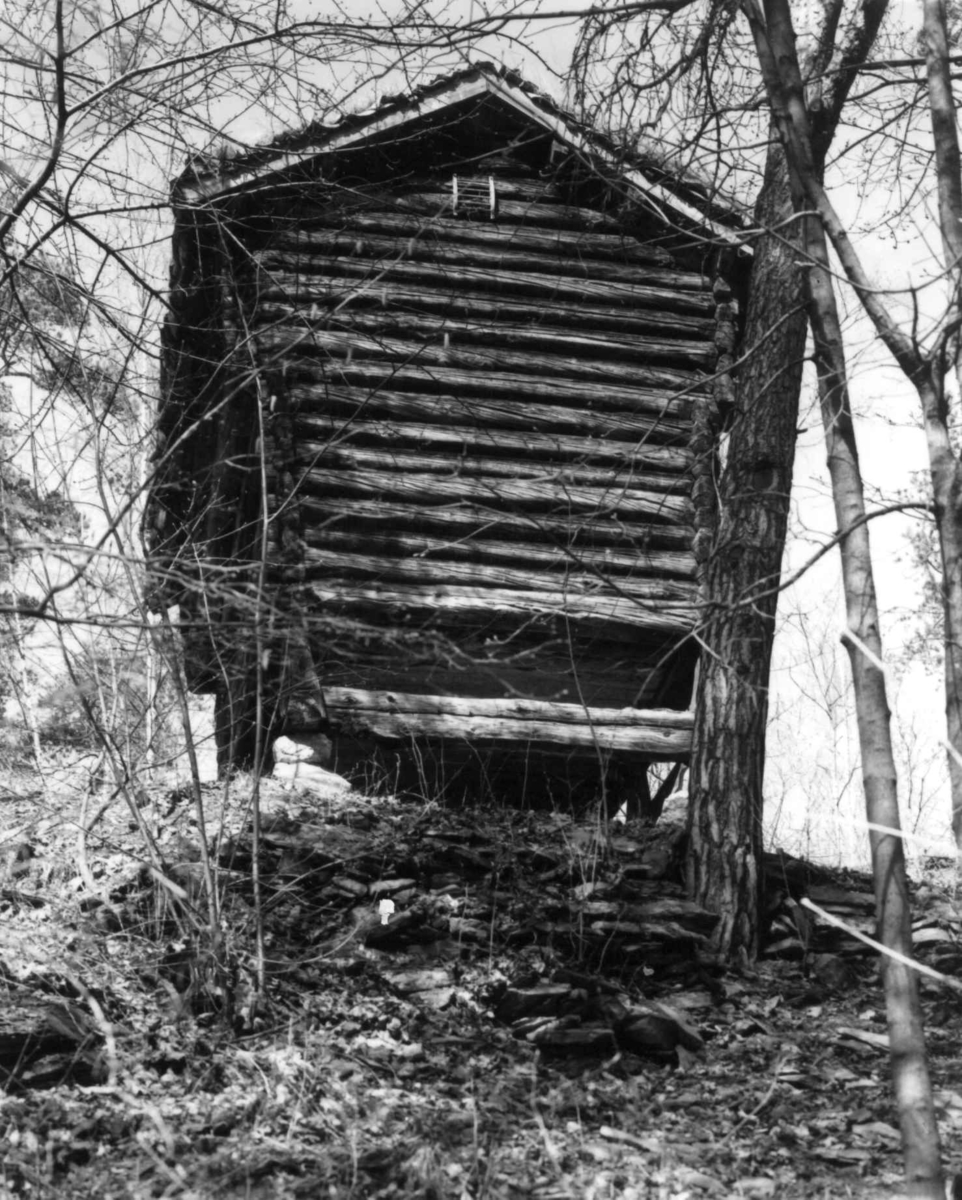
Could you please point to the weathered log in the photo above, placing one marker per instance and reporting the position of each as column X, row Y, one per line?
column 527, row 187
column 527, row 283
column 340, row 455
column 656, row 744
column 624, row 347
column 501, row 493
column 618, row 618
column 309, row 244
column 534, row 447
column 600, row 563
column 608, row 247
column 465, row 520
column 343, row 700
column 521, row 208
column 283, row 342
column 345, row 403
column 516, row 183
column 281, row 287
column 322, row 564
column 605, row 674
column 440, row 380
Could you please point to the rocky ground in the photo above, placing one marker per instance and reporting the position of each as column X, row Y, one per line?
column 459, row 1003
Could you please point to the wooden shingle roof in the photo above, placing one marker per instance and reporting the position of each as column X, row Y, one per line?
column 669, row 192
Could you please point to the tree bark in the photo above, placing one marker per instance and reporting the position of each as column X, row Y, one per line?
column 944, row 466
column 728, row 753
column 775, row 42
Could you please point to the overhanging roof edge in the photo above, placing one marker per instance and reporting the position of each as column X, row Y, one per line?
column 586, row 145
column 658, row 196
column 223, row 184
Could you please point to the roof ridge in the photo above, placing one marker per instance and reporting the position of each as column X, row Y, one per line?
column 233, row 170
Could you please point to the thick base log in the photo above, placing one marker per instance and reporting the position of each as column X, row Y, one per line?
column 659, row 734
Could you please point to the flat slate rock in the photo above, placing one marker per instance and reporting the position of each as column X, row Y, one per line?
column 432, row 987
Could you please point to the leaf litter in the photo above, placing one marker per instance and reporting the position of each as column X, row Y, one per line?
column 537, row 1015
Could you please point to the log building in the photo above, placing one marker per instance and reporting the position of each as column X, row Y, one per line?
column 439, row 397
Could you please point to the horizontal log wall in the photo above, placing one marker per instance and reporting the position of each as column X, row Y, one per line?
column 533, row 202
column 564, row 453
column 489, row 428
column 346, row 700
column 554, row 289
column 392, row 291
column 311, row 330
column 328, row 455
column 489, row 572
column 546, row 244
column 512, row 495
column 352, row 406
column 605, row 564
column 466, row 522
column 433, row 243
column 658, row 734
column 611, row 617
column 277, row 343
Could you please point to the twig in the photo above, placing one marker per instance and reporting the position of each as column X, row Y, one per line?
column 105, row 1027
column 779, row 1062
column 849, row 636
column 954, row 984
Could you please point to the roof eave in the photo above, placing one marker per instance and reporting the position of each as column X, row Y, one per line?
column 225, row 183
column 658, row 196
column 661, row 200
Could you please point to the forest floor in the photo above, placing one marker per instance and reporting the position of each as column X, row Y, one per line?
column 539, row 1017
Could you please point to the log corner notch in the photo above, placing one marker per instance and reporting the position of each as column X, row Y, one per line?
column 441, row 390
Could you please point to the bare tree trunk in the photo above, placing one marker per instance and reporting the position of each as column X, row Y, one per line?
column 944, row 467
column 728, row 754
column 927, row 370
column 913, row 1089
column 775, row 42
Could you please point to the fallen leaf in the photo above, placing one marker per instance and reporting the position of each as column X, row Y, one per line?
column 756, row 1185
column 879, row 1041
column 653, row 1145
column 698, row 1179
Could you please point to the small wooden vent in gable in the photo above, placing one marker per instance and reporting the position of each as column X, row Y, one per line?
column 474, row 198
